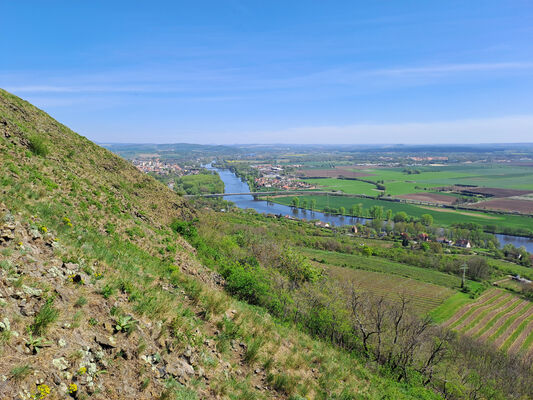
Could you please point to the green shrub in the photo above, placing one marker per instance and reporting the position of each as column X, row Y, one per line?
column 185, row 229
column 107, row 291
column 37, row 145
column 247, row 283
column 253, row 349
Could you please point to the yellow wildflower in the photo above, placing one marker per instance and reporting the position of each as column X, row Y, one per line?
column 42, row 391
column 72, row 388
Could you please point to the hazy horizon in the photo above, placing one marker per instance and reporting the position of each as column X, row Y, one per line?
column 241, row 72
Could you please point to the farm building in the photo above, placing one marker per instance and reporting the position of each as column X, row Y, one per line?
column 463, row 243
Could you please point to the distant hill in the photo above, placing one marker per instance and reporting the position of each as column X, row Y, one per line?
column 177, row 149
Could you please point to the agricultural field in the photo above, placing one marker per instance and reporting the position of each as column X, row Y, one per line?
column 377, row 264
column 346, row 186
column 501, row 182
column 507, row 204
column 423, row 296
column 496, row 317
column 437, row 198
column 508, row 268
column 486, row 175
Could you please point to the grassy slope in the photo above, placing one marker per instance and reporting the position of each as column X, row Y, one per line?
column 120, row 219
column 450, row 306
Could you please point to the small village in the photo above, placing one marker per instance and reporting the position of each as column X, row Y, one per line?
column 164, row 168
column 273, row 176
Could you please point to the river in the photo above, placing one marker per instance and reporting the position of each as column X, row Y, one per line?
column 233, row 184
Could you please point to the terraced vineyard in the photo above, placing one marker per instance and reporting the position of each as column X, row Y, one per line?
column 497, row 317
column 424, row 296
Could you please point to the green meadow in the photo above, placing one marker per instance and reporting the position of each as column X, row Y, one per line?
column 346, row 186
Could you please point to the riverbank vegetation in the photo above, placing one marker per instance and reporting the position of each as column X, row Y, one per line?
column 361, row 207
column 204, row 182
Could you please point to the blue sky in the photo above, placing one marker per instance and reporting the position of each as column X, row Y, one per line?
column 275, row 71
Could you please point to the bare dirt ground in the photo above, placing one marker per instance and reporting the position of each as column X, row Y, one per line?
column 522, row 206
column 495, row 192
column 458, row 212
column 429, row 197
column 82, row 353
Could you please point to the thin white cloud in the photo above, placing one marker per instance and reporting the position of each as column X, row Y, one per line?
column 453, row 68
column 506, row 129
column 188, row 80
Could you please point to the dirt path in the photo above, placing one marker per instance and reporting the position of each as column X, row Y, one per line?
column 501, row 301
column 485, row 297
column 487, row 318
column 500, row 281
column 509, row 331
column 494, row 328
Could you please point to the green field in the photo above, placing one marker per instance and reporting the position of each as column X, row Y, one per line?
column 441, row 216
column 398, row 182
column 449, row 307
column 346, row 185
column 487, row 175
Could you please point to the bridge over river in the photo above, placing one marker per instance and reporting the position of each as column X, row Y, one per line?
column 273, row 193
column 315, row 193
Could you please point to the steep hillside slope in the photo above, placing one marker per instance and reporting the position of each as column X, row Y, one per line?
column 101, row 298
column 46, row 157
